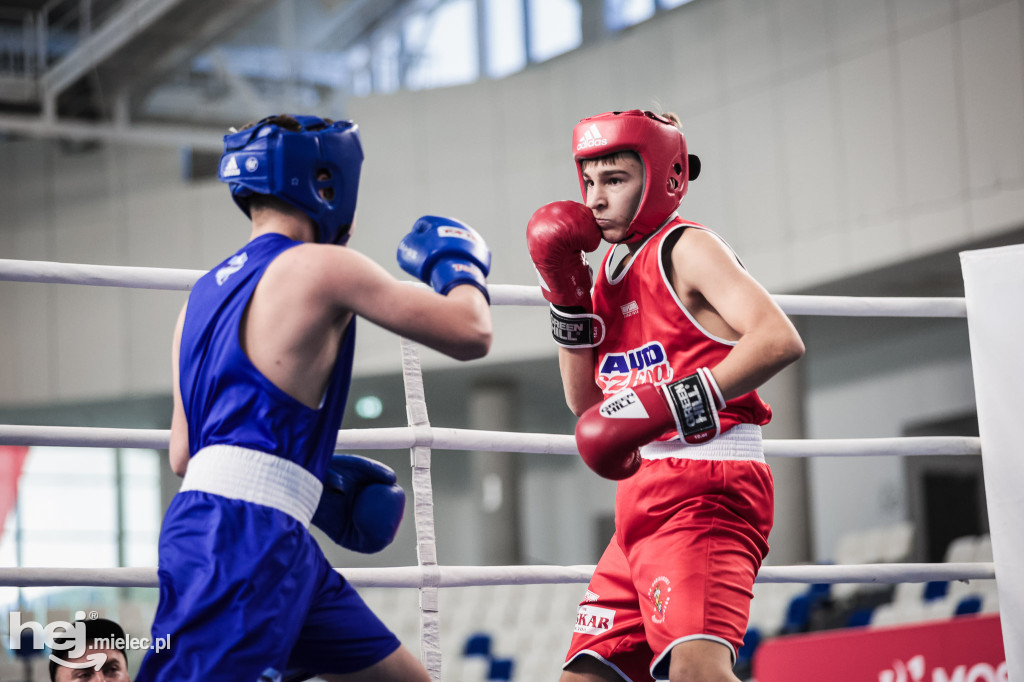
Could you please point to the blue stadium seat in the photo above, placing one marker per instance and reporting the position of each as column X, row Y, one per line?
column 859, row 618
column 819, row 591
column 968, row 605
column 478, row 644
column 798, row 614
column 501, row 670
column 751, row 641
column 936, row 589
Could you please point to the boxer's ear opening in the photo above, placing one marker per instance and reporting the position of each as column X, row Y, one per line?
column 326, row 193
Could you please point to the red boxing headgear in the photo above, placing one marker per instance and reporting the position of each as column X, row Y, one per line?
column 662, row 150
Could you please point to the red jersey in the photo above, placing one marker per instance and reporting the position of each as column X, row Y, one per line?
column 652, row 338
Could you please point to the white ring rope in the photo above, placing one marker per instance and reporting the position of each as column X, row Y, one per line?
column 440, row 438
column 469, row 576
column 872, row 306
column 48, row 272
column 501, row 294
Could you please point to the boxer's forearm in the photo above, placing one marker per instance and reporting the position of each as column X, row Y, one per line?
column 577, row 369
column 756, row 358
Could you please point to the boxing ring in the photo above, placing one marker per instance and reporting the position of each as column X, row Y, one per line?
column 997, row 387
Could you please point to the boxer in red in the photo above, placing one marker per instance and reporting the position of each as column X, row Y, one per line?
column 660, row 362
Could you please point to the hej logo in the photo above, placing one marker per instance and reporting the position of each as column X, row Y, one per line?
column 58, row 636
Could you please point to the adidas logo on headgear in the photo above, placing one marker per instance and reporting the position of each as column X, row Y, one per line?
column 231, row 168
column 591, row 138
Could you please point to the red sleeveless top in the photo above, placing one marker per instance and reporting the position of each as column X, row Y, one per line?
column 652, row 338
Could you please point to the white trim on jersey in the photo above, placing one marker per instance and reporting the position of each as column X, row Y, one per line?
column 598, row 657
column 650, row 238
column 675, row 296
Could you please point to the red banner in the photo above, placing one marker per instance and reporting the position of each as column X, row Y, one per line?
column 965, row 649
column 12, row 457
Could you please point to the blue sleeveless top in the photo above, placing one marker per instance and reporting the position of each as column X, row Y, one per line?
column 227, row 400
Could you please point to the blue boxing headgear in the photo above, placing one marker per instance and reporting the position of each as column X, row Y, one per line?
column 297, row 168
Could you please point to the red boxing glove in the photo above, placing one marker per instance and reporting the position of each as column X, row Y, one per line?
column 558, row 237
column 610, row 434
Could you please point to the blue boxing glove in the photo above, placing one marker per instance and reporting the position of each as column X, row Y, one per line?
column 445, row 253
column 362, row 505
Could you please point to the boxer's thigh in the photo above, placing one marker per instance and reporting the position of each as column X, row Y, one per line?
column 609, row 626
column 234, row 587
column 341, row 634
column 695, row 574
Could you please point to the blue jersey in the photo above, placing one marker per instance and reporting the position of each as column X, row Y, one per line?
column 227, row 400
column 244, row 587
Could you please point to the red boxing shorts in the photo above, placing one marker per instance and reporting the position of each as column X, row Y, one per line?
column 691, row 532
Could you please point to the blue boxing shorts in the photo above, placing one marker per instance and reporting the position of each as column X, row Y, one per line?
column 245, row 587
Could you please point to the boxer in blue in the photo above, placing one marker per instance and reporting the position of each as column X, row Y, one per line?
column 262, row 365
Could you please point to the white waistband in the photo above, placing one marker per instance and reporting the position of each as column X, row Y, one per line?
column 254, row 476
column 742, row 442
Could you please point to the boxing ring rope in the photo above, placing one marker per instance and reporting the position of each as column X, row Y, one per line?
column 405, row 437
column 501, row 294
column 469, row 576
column 420, row 438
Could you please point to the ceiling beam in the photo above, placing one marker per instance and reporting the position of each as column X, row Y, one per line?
column 114, row 34
column 153, row 135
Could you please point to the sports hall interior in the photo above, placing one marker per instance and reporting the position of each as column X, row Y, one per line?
column 848, row 149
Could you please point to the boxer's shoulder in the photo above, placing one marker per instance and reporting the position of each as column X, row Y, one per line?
column 317, row 266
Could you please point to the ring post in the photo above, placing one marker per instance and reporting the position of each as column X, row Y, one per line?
column 994, row 287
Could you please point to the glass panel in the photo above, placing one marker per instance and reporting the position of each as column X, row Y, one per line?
column 386, row 54
column 68, row 462
column 554, row 28
column 359, row 66
column 142, row 512
column 141, row 508
column 67, row 490
column 669, row 4
column 144, row 464
column 619, row 14
column 72, row 550
column 64, row 503
column 8, row 557
column 442, row 46
column 141, row 549
column 506, row 49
